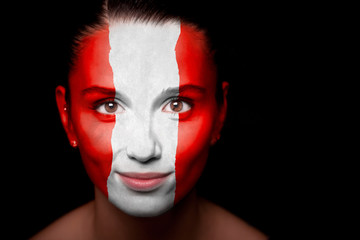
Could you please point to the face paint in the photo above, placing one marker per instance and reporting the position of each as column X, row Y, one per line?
column 91, row 82
column 143, row 108
column 194, row 134
column 144, row 139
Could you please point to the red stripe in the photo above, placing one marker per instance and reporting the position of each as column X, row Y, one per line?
column 94, row 132
column 194, row 129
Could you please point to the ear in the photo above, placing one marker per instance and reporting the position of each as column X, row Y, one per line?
column 221, row 114
column 64, row 112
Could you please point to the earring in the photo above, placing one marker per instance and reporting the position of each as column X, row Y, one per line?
column 73, row 143
column 65, row 107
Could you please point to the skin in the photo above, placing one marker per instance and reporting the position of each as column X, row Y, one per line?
column 199, row 126
column 193, row 218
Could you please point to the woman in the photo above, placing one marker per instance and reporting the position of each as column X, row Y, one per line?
column 143, row 104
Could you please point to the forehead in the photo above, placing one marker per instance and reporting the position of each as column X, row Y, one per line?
column 142, row 52
column 144, row 55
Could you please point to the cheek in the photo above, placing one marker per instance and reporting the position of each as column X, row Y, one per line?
column 95, row 148
column 192, row 151
column 94, row 136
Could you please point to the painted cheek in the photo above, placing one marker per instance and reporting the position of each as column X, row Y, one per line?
column 94, row 135
column 193, row 131
column 191, row 152
column 95, row 148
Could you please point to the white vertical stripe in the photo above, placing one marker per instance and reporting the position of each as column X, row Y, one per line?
column 144, row 65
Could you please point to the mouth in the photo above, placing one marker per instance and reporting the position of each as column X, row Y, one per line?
column 143, row 182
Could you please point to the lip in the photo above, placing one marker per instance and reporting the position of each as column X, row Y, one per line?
column 143, row 182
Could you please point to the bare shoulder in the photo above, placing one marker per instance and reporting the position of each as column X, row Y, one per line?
column 221, row 224
column 73, row 225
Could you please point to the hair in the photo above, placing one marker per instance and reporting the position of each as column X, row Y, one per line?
column 146, row 11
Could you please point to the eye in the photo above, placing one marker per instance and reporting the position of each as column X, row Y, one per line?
column 176, row 106
column 110, row 107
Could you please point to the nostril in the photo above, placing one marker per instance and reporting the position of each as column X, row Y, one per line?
column 143, row 155
column 131, row 157
column 142, row 158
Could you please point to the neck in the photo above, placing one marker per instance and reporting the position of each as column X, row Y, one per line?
column 180, row 222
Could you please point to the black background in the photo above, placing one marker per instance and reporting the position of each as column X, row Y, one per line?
column 252, row 169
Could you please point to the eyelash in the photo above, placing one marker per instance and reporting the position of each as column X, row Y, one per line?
column 179, row 99
column 97, row 104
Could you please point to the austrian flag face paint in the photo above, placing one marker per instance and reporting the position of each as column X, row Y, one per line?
column 143, row 111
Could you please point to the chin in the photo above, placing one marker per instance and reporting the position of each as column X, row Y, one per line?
column 142, row 204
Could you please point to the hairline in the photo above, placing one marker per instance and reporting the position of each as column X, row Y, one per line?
column 106, row 18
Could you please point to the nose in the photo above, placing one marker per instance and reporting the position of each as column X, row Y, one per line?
column 143, row 145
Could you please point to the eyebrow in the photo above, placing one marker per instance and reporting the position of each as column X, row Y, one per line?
column 102, row 90
column 106, row 91
column 164, row 94
column 174, row 90
column 184, row 88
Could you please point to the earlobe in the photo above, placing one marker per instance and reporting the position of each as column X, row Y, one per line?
column 64, row 110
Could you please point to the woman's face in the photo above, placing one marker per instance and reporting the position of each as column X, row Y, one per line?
column 143, row 112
